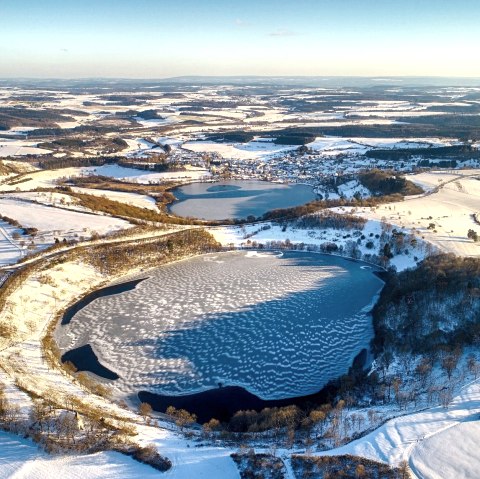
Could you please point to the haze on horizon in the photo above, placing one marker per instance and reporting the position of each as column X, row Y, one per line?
column 165, row 38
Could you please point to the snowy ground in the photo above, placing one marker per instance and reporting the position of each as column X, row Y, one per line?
column 142, row 201
column 333, row 146
column 143, row 176
column 21, row 459
column 419, row 438
column 450, row 211
column 433, row 457
column 244, row 151
column 267, row 233
column 19, row 148
column 41, row 179
column 54, row 222
column 49, row 178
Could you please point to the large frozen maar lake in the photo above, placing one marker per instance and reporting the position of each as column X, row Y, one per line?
column 279, row 325
column 237, row 199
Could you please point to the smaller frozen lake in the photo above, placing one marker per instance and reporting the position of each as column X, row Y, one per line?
column 237, row 199
column 279, row 325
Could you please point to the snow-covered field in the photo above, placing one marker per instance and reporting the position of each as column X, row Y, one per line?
column 40, row 179
column 142, row 201
column 452, row 452
column 442, row 218
column 254, row 149
column 21, row 459
column 49, row 178
column 423, row 439
column 333, row 146
column 19, row 148
column 54, row 222
column 143, row 176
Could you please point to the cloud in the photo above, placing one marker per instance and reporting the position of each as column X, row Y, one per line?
column 65, row 50
column 282, row 32
column 241, row 23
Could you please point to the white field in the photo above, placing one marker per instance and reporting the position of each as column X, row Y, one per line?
column 49, row 178
column 424, row 440
column 21, row 459
column 241, row 151
column 451, row 209
column 145, row 177
column 332, row 145
column 134, row 199
column 19, row 166
column 49, row 198
column 54, row 222
column 452, row 452
column 65, row 201
column 41, row 179
column 20, row 148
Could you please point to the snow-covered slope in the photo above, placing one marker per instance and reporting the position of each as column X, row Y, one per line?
column 424, row 438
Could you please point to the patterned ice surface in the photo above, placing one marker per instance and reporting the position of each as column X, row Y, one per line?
column 278, row 325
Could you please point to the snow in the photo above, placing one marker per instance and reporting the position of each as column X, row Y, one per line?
column 49, row 178
column 10, row 249
column 243, row 151
column 154, row 122
column 450, row 453
column 20, row 148
column 353, row 187
column 240, row 236
column 135, row 199
column 450, row 209
column 145, row 177
column 21, row 459
column 331, row 145
column 414, row 437
column 54, row 222
column 41, row 179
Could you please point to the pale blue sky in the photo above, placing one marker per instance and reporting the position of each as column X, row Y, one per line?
column 162, row 38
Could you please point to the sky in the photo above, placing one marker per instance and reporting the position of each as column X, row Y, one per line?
column 166, row 38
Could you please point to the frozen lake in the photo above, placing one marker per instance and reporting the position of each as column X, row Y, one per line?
column 237, row 199
column 279, row 325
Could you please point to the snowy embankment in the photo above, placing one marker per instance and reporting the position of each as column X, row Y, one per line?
column 270, row 233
